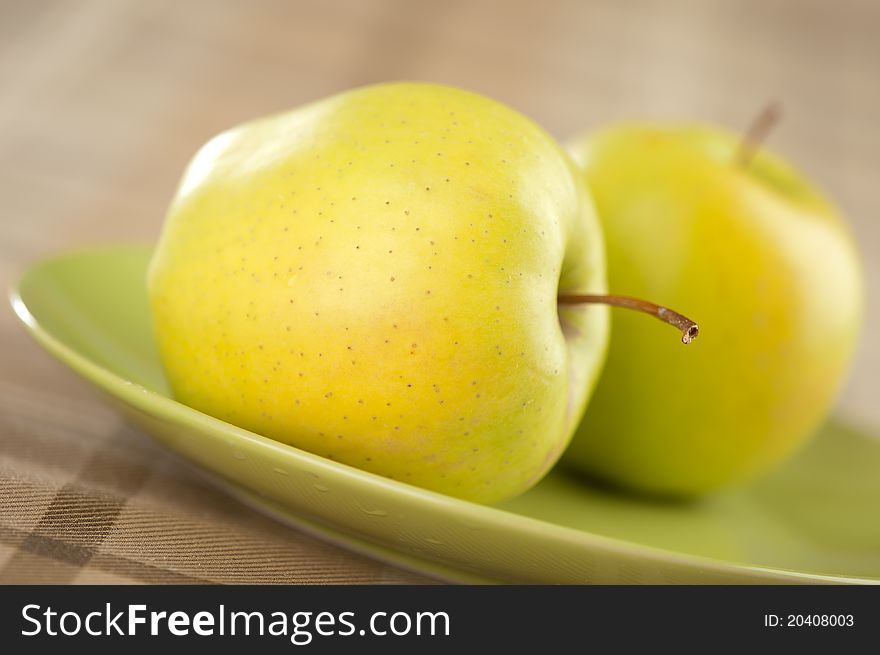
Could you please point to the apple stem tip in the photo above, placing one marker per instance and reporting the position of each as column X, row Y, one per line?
column 688, row 328
column 757, row 133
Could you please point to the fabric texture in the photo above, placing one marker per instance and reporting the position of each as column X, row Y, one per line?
column 85, row 498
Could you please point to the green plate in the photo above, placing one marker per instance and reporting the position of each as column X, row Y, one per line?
column 815, row 520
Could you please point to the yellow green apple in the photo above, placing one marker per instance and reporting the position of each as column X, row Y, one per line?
column 762, row 260
column 374, row 278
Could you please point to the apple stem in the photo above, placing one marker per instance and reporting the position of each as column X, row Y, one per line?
column 689, row 329
column 757, row 132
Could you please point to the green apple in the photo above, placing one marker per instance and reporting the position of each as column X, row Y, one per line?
column 767, row 266
column 374, row 278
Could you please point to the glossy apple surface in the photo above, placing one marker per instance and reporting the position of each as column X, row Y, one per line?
column 373, row 278
column 765, row 265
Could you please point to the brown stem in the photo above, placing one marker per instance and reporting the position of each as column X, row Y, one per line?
column 757, row 132
column 689, row 329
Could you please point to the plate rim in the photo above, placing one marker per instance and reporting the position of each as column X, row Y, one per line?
column 159, row 405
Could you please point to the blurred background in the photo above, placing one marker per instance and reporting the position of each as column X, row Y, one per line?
column 103, row 102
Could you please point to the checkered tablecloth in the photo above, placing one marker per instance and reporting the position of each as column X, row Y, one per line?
column 85, row 498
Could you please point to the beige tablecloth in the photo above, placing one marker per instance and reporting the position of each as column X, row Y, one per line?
column 102, row 103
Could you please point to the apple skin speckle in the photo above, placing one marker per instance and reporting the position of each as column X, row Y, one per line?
column 444, row 270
